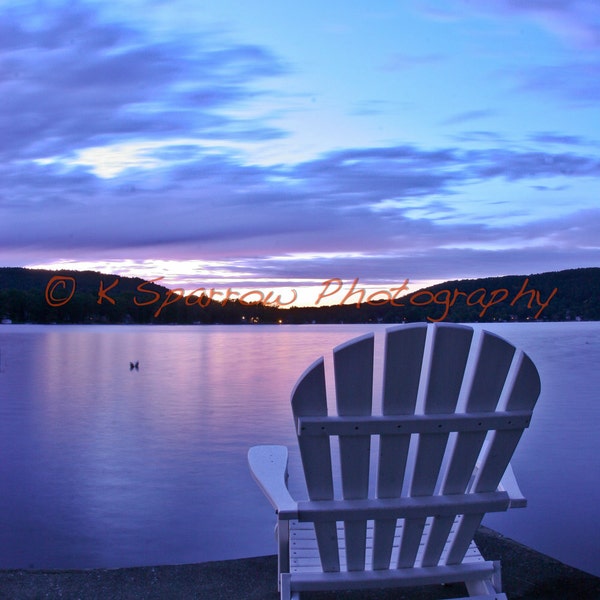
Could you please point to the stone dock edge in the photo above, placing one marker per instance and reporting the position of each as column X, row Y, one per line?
column 526, row 574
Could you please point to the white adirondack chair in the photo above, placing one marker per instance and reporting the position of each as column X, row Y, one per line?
column 452, row 411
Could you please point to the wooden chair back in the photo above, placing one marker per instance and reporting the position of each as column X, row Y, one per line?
column 421, row 467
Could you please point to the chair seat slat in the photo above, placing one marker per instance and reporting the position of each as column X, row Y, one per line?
column 305, row 553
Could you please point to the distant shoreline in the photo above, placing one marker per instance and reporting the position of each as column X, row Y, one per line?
column 41, row 296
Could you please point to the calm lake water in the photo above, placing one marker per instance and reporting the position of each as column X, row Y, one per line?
column 106, row 467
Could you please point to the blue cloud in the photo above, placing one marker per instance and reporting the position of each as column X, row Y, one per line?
column 73, row 81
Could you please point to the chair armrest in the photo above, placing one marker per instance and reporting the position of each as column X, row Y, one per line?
column 509, row 484
column 268, row 465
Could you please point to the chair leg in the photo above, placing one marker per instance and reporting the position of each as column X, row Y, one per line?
column 497, row 576
column 489, row 588
column 284, row 587
column 283, row 548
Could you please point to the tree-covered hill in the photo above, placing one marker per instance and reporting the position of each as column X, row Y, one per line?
column 43, row 296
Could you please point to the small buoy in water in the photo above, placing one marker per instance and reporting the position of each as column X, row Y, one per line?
column 135, row 365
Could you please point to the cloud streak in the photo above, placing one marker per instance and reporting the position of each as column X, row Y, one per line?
column 75, row 82
column 353, row 201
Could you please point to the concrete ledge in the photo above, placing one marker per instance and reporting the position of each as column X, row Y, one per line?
column 526, row 574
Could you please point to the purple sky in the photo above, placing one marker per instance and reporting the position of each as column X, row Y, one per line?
column 280, row 144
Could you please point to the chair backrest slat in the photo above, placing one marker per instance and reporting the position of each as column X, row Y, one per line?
column 309, row 398
column 491, row 366
column 523, row 396
column 353, row 365
column 449, row 356
column 402, row 371
column 491, row 369
column 404, row 348
column 449, row 353
column 447, row 361
column 525, row 390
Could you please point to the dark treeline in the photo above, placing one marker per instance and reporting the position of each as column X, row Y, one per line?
column 38, row 296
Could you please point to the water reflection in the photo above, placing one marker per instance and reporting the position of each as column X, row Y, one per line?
column 104, row 466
